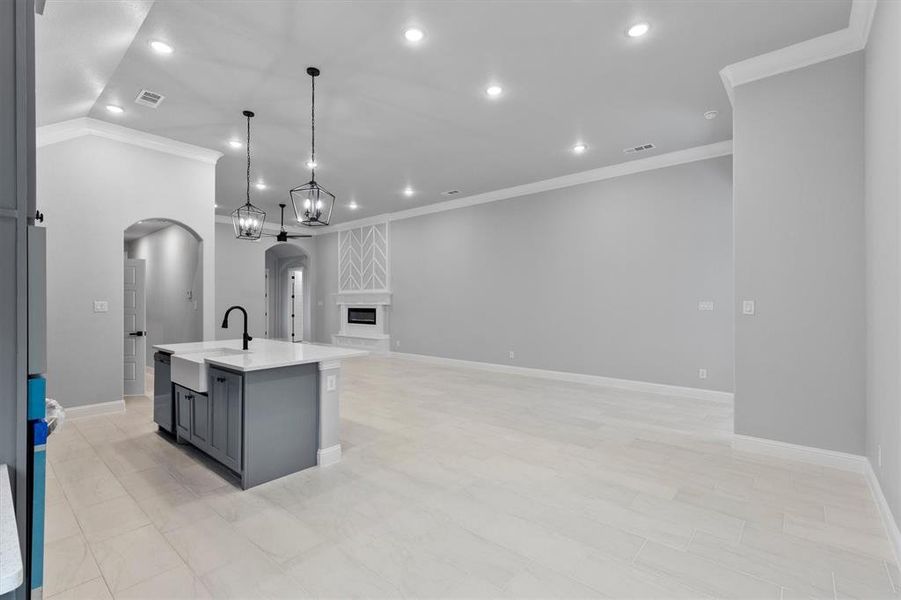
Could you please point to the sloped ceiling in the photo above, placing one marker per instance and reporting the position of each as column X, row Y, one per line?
column 390, row 114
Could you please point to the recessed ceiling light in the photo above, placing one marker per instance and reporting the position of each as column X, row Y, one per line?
column 408, row 191
column 638, row 30
column 353, row 205
column 711, row 114
column 235, row 143
column 215, row 206
column 115, row 109
column 161, row 47
column 494, row 91
column 260, row 185
column 414, row 35
column 579, row 148
column 312, row 164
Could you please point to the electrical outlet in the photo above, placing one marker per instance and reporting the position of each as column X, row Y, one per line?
column 748, row 307
column 331, row 383
column 101, row 306
column 702, row 373
column 705, row 305
column 879, row 455
column 512, row 354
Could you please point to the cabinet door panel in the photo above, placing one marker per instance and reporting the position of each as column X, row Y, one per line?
column 226, row 416
column 183, row 411
column 200, row 420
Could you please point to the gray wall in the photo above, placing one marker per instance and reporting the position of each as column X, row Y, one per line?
column 607, row 284
column 240, row 279
column 883, row 193
column 326, row 316
column 92, row 189
column 16, row 202
column 799, row 253
column 174, row 267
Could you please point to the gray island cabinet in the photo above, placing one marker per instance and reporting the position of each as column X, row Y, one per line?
column 264, row 413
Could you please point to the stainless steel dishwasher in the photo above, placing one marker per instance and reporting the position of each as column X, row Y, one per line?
column 163, row 405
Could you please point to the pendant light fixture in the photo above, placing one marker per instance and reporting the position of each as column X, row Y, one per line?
column 312, row 203
column 248, row 219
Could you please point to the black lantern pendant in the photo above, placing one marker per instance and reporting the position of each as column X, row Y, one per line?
column 312, row 203
column 248, row 219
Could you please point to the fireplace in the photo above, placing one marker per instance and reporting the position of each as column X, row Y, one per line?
column 365, row 320
column 361, row 316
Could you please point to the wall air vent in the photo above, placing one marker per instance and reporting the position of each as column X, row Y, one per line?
column 148, row 98
column 450, row 193
column 642, row 148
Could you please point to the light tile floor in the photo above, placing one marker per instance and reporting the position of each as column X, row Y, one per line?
column 464, row 484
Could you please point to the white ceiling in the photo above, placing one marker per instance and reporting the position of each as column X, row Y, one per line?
column 390, row 114
column 80, row 44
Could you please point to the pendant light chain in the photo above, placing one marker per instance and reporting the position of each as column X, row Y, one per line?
column 313, row 123
column 248, row 159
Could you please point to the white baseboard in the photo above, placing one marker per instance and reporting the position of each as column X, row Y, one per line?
column 796, row 452
column 888, row 518
column 92, row 410
column 623, row 384
column 328, row 456
column 829, row 458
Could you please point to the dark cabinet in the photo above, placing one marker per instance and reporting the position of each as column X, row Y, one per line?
column 214, row 422
column 200, row 420
column 183, row 408
column 226, row 400
column 192, row 417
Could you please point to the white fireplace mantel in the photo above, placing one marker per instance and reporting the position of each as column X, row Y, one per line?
column 375, row 338
column 364, row 297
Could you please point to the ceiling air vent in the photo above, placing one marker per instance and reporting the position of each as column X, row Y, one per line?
column 450, row 193
column 148, row 98
column 642, row 148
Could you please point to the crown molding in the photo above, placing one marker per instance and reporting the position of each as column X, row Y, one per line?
column 74, row 128
column 631, row 167
column 803, row 54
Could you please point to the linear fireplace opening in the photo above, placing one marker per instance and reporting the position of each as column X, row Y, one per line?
column 361, row 316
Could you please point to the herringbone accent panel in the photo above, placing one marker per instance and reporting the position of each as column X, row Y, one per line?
column 363, row 258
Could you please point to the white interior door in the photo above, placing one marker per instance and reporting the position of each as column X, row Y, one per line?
column 296, row 305
column 135, row 322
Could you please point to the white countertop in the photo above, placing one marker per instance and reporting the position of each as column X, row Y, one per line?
column 262, row 354
column 11, row 572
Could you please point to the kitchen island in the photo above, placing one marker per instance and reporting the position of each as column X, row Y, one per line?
column 264, row 413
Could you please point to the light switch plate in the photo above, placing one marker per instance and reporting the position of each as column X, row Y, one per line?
column 705, row 305
column 101, row 306
column 702, row 373
column 748, row 307
column 331, row 383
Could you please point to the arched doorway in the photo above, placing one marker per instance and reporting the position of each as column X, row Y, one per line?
column 163, row 294
column 287, row 293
